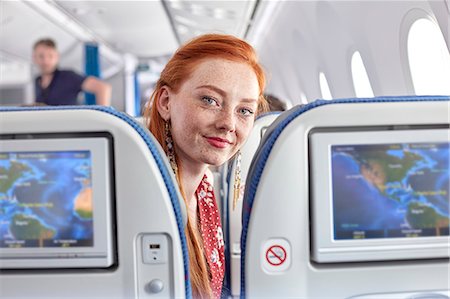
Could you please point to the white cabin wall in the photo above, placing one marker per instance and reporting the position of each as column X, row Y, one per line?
column 16, row 84
column 333, row 43
column 308, row 37
column 305, row 61
column 289, row 68
column 441, row 11
column 384, row 60
column 117, row 82
column 307, row 86
column 298, row 53
column 292, row 74
column 274, row 85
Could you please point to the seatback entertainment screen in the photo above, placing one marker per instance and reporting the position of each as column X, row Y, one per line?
column 390, row 190
column 380, row 195
column 46, row 199
column 56, row 201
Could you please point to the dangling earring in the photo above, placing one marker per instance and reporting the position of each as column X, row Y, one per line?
column 237, row 179
column 170, row 148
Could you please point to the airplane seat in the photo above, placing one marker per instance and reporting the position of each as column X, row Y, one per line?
column 350, row 198
column 234, row 214
column 89, row 207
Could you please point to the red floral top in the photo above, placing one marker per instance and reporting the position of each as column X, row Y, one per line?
column 212, row 234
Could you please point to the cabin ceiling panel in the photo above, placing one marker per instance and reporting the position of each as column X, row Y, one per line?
column 191, row 18
column 141, row 28
column 146, row 28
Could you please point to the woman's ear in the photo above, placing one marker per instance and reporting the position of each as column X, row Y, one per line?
column 163, row 104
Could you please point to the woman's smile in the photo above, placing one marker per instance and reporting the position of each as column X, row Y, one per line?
column 218, row 142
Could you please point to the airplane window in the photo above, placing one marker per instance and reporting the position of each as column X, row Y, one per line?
column 324, row 87
column 303, row 98
column 361, row 81
column 429, row 58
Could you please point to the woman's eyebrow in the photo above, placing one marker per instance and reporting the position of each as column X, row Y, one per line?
column 223, row 93
column 214, row 88
column 251, row 101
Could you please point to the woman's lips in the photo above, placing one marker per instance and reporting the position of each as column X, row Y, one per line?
column 218, row 142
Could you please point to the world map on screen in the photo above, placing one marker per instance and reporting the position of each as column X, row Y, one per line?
column 46, row 199
column 390, row 190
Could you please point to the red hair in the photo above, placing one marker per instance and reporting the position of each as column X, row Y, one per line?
column 177, row 71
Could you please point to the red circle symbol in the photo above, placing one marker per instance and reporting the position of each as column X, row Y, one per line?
column 276, row 255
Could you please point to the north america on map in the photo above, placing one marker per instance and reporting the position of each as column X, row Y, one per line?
column 46, row 199
column 395, row 190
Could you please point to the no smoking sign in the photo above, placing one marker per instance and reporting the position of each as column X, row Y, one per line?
column 276, row 255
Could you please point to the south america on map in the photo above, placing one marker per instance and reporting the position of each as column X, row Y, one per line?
column 391, row 190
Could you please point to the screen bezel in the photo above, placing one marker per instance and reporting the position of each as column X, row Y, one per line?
column 101, row 254
column 327, row 250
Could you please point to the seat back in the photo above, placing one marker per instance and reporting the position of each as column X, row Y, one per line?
column 313, row 228
column 234, row 214
column 91, row 208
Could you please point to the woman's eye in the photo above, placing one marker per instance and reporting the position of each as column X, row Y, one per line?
column 246, row 112
column 209, row 100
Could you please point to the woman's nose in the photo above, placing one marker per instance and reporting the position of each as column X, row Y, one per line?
column 226, row 121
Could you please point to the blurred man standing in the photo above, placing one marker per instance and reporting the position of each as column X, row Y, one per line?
column 61, row 87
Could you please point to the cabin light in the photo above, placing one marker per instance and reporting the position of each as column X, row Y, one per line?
column 219, row 13
column 78, row 11
column 176, row 4
column 185, row 21
column 182, row 29
column 198, row 10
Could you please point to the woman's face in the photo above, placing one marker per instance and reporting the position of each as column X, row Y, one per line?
column 213, row 111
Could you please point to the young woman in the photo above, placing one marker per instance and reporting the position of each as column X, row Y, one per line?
column 202, row 111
